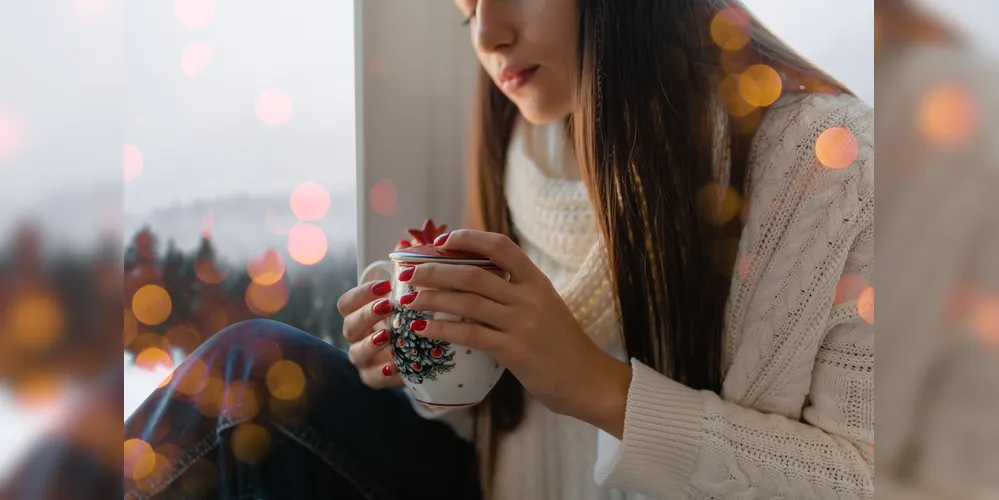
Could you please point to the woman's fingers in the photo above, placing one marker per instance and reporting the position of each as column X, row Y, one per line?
column 464, row 333
column 466, row 305
column 461, row 278
column 363, row 352
column 498, row 247
column 357, row 297
column 361, row 322
column 381, row 372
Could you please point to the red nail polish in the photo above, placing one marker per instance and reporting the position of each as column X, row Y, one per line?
column 418, row 325
column 381, row 338
column 387, row 370
column 382, row 307
column 439, row 242
column 404, row 244
column 406, row 274
column 408, row 298
column 381, row 288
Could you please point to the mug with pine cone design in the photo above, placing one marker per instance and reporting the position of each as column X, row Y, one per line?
column 436, row 373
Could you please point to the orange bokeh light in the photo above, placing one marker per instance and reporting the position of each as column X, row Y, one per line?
column 760, row 85
column 267, row 269
column 728, row 92
column 153, row 359
column 286, row 380
column 35, row 320
column 273, row 107
column 865, row 305
column 250, row 442
column 11, row 133
column 38, row 389
column 194, row 13
column 151, row 305
column 266, row 300
column 307, row 243
column 310, row 201
column 717, row 205
column 184, row 337
column 849, row 288
column 209, row 272
column 196, row 57
column 195, row 379
column 730, row 29
column 383, row 198
column 209, row 398
column 133, row 162
column 139, row 459
column 986, row 320
column 836, row 148
column 947, row 114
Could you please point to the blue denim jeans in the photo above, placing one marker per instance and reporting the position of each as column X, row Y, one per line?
column 224, row 428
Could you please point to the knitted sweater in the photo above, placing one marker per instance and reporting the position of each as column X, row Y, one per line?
column 795, row 418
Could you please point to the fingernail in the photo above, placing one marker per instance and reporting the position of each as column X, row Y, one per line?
column 387, row 370
column 406, row 274
column 381, row 338
column 404, row 244
column 439, row 242
column 408, row 298
column 381, row 288
column 382, row 307
column 418, row 325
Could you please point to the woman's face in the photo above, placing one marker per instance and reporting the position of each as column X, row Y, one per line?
column 529, row 48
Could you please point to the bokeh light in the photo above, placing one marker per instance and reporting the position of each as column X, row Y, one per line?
column 250, row 442
column 286, row 380
column 273, row 107
column 209, row 272
column 730, row 29
column 307, row 243
column 760, row 85
column 267, row 300
column 865, row 305
column 146, row 340
column 133, row 162
column 310, row 201
column 11, row 133
column 986, row 320
column 267, row 269
column 241, row 400
column 836, row 148
column 91, row 9
column 154, row 359
column 384, row 198
column 731, row 97
column 849, row 288
column 209, row 399
column 39, row 389
column 947, row 114
column 194, row 13
column 35, row 320
column 139, row 459
column 196, row 57
column 184, row 337
column 717, row 204
column 151, row 305
column 195, row 379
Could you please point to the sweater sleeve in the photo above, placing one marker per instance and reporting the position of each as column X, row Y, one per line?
column 796, row 418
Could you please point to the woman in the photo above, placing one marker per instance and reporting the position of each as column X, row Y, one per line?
column 690, row 307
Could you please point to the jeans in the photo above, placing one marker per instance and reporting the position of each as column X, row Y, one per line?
column 236, row 421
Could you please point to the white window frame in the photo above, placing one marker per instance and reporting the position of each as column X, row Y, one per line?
column 411, row 122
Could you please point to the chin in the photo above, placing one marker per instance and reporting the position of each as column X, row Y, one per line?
column 541, row 111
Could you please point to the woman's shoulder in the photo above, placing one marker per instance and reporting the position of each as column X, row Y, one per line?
column 805, row 134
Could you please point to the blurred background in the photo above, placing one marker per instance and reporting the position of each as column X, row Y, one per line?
column 194, row 163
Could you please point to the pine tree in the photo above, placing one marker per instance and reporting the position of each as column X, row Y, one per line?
column 418, row 358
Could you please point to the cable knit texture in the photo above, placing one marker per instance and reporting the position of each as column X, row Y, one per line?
column 795, row 418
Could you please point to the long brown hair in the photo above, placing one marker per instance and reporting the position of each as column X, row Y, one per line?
column 651, row 78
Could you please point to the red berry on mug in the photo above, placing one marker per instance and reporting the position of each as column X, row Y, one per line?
column 416, row 366
column 437, row 352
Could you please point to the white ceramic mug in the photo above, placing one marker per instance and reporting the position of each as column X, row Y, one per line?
column 437, row 373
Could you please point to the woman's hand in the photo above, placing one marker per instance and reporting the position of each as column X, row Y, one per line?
column 525, row 325
column 366, row 311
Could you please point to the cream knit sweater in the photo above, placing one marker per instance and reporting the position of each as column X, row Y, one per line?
column 795, row 418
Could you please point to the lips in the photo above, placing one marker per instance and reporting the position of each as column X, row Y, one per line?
column 512, row 78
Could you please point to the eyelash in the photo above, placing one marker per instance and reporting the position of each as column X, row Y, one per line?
column 468, row 20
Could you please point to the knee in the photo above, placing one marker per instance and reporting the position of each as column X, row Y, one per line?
column 259, row 341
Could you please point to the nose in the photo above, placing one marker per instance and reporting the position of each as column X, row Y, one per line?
column 495, row 27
